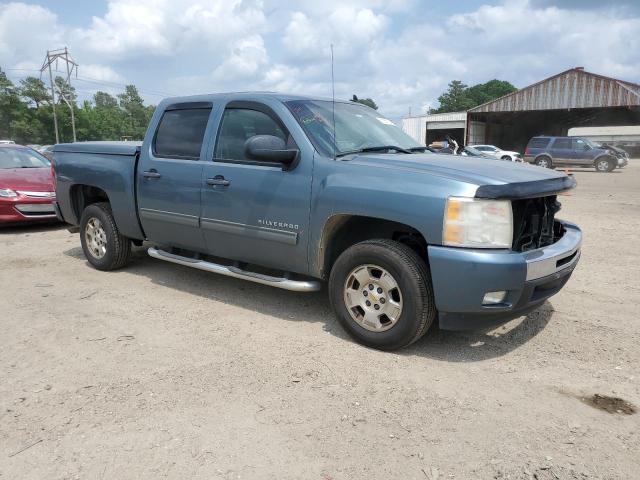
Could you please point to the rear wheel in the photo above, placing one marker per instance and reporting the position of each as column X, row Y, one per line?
column 544, row 162
column 604, row 165
column 103, row 244
column 382, row 295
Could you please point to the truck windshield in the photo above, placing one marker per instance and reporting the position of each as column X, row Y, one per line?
column 358, row 128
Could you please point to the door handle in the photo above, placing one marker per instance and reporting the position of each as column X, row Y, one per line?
column 218, row 180
column 151, row 174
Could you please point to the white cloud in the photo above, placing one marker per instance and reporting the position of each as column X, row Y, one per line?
column 101, row 72
column 139, row 28
column 247, row 56
column 26, row 31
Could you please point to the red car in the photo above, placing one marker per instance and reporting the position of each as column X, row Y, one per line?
column 27, row 190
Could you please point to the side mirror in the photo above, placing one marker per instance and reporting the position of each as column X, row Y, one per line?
column 269, row 148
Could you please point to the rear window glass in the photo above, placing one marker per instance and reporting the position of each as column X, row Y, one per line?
column 538, row 142
column 562, row 143
column 181, row 132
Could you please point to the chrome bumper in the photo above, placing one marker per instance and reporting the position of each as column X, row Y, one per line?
column 562, row 255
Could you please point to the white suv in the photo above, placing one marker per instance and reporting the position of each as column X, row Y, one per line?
column 499, row 153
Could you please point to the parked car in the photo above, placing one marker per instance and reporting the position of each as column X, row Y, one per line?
column 551, row 152
column 7, row 142
column 26, row 186
column 474, row 152
column 499, row 153
column 252, row 186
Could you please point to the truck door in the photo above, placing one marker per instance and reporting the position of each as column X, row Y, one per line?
column 255, row 212
column 170, row 177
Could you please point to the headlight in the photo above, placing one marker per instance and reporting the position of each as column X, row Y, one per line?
column 477, row 223
column 6, row 192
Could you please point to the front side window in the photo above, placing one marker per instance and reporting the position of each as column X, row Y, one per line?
column 240, row 124
column 356, row 127
column 180, row 133
column 21, row 158
column 579, row 144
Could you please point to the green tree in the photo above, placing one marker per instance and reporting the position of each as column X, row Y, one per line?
column 67, row 90
column 12, row 109
column 455, row 99
column 136, row 114
column 460, row 97
column 365, row 101
column 26, row 113
column 34, row 91
column 485, row 92
column 104, row 100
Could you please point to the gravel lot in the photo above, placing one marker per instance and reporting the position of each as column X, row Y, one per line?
column 160, row 371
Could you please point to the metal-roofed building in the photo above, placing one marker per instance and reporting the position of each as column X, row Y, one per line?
column 434, row 127
column 573, row 98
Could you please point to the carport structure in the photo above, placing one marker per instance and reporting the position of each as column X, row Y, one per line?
column 573, row 98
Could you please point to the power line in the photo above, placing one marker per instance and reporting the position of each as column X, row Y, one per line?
column 97, row 81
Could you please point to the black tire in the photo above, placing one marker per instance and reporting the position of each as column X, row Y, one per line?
column 505, row 157
column 600, row 163
column 413, row 279
column 540, row 161
column 117, row 248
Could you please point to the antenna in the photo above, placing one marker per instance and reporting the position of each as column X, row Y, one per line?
column 333, row 104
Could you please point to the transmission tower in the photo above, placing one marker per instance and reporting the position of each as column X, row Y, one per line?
column 53, row 56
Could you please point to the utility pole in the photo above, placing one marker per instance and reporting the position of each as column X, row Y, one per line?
column 53, row 56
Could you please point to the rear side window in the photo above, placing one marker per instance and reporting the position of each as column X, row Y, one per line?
column 180, row 133
column 539, row 142
column 564, row 143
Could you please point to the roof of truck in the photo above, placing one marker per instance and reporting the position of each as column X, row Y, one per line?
column 249, row 95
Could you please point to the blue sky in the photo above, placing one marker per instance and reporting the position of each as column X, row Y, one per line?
column 402, row 53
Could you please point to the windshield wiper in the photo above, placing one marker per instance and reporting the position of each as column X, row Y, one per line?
column 379, row 148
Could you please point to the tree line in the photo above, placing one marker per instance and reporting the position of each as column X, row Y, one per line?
column 26, row 113
column 26, row 110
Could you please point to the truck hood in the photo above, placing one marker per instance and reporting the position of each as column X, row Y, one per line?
column 494, row 178
column 33, row 179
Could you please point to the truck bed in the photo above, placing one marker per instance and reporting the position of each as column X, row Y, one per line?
column 107, row 168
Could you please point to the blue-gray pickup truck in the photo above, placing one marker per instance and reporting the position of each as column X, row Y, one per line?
column 293, row 192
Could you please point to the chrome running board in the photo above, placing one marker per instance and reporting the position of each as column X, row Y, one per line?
column 231, row 271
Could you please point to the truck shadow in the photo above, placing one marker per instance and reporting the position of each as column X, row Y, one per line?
column 440, row 345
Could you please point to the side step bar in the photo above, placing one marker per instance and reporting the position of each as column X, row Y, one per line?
column 231, row 271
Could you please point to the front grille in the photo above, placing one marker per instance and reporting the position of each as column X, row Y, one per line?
column 534, row 224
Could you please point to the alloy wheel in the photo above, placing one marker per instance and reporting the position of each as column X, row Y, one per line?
column 95, row 238
column 373, row 298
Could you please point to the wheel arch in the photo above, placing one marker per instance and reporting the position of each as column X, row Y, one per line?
column 83, row 195
column 341, row 231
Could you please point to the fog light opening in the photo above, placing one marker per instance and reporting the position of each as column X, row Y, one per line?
column 493, row 298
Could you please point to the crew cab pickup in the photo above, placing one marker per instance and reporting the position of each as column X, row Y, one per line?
column 294, row 192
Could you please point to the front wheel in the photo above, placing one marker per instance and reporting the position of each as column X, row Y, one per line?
column 604, row 165
column 382, row 294
column 506, row 157
column 103, row 244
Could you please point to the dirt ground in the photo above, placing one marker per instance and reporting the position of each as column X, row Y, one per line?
column 161, row 371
